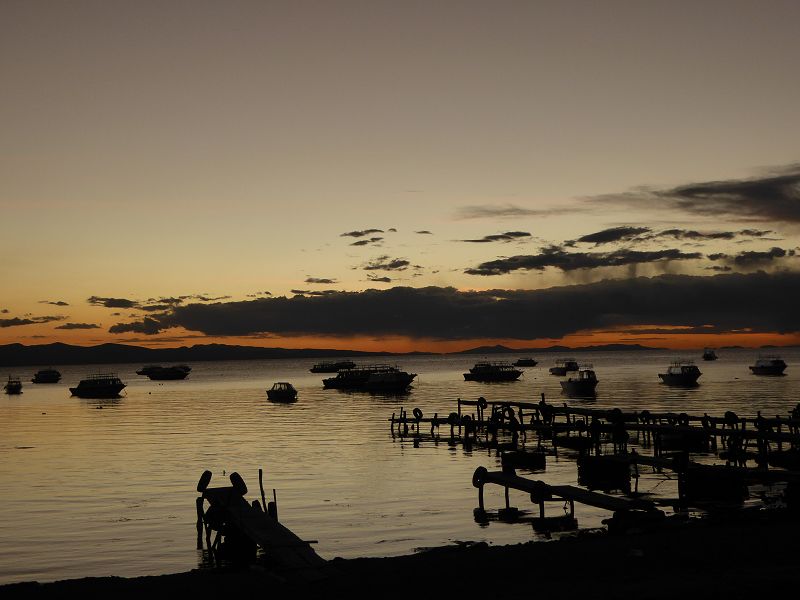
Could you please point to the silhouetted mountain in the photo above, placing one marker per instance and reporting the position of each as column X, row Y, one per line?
column 498, row 349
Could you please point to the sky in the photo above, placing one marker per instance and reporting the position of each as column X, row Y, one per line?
column 399, row 175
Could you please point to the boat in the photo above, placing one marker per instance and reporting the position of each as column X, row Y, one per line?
column 159, row 372
column 564, row 366
column 492, row 371
column 583, row 384
column 101, row 385
column 768, row 365
column 525, row 362
column 370, row 377
column 168, row 373
column 332, row 367
column 681, row 373
column 46, row 376
column 13, row 386
column 282, row 392
column 709, row 354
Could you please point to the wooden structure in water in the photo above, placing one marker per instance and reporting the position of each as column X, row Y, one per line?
column 239, row 527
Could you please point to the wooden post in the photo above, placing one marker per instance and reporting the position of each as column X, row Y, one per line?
column 199, row 506
column 507, row 503
column 480, row 496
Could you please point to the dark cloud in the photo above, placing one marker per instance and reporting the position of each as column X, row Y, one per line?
column 321, row 280
column 614, row 234
column 392, row 230
column 112, row 302
column 54, row 303
column 5, row 311
column 148, row 325
column 16, row 321
column 508, row 236
column 723, row 302
column 489, row 211
column 771, row 198
column 754, row 257
column 155, row 307
column 372, row 240
column 718, row 268
column 379, row 279
column 424, row 232
column 571, row 261
column 361, row 233
column 385, row 263
column 204, row 298
column 78, row 326
column 313, row 292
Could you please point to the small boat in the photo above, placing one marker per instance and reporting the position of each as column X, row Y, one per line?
column 13, row 386
column 492, row 371
column 332, row 367
column 583, row 384
column 525, row 362
column 46, row 376
column 709, row 354
column 168, row 373
column 158, row 372
column 564, row 366
column 370, row 377
column 102, row 385
column 768, row 365
column 681, row 373
column 282, row 392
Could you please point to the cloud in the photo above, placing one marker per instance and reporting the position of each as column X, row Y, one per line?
column 614, row 234
column 204, row 298
column 508, row 236
column 754, row 257
column 372, row 240
column 54, row 303
column 16, row 321
column 385, row 263
column 148, row 325
column 78, row 326
column 5, row 311
column 360, row 233
column 488, row 211
column 379, row 279
column 112, row 302
column 774, row 197
column 313, row 292
column 722, row 302
column 424, row 232
column 571, row 261
column 321, row 280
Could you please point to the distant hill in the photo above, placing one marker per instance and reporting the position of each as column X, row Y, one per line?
column 498, row 349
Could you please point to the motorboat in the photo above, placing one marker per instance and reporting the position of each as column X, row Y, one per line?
column 282, row 392
column 564, row 366
column 583, row 384
column 709, row 354
column 101, row 385
column 332, row 367
column 370, row 377
column 769, row 365
column 492, row 371
column 157, row 372
column 525, row 362
column 13, row 386
column 46, row 376
column 681, row 373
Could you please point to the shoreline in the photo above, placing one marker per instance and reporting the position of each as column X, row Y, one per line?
column 739, row 554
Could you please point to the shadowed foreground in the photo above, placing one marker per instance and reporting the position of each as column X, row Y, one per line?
column 735, row 557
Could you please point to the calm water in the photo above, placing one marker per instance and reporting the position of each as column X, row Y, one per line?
column 107, row 487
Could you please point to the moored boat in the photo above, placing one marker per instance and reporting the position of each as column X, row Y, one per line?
column 101, row 385
column 709, row 354
column 564, row 366
column 168, row 373
column 582, row 385
column 282, row 391
column 13, row 386
column 769, row 365
column 370, row 377
column 488, row 372
column 525, row 362
column 332, row 367
column 46, row 376
column 682, row 373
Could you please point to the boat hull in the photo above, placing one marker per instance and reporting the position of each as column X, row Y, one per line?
column 679, row 380
column 167, row 375
column 13, row 390
column 579, row 388
column 104, row 392
column 493, row 377
column 283, row 397
column 773, row 370
column 525, row 363
column 399, row 382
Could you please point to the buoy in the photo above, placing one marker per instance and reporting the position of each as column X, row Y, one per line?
column 205, row 478
column 417, row 414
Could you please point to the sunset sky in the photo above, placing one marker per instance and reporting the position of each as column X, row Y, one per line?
column 400, row 175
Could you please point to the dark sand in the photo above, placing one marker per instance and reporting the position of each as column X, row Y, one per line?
column 744, row 555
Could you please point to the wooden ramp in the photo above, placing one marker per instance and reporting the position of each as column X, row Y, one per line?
column 280, row 543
